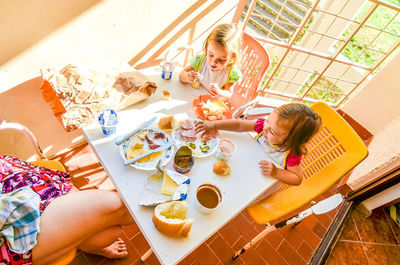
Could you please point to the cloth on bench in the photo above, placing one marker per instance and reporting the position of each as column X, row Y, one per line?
column 19, row 219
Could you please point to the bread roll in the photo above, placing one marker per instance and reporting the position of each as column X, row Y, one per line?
column 166, row 94
column 221, row 168
column 170, row 219
column 166, row 123
column 196, row 84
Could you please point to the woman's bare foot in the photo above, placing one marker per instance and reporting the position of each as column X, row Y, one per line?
column 116, row 250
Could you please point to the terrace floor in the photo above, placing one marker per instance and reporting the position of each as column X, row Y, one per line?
column 375, row 240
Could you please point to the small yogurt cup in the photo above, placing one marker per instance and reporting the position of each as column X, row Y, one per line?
column 167, row 69
column 108, row 121
column 226, row 148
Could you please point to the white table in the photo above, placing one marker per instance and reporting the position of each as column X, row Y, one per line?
column 243, row 186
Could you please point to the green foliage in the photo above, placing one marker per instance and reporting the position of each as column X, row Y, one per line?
column 369, row 37
column 394, row 2
column 274, row 60
column 322, row 90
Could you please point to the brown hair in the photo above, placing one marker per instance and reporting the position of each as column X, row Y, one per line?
column 303, row 123
column 228, row 37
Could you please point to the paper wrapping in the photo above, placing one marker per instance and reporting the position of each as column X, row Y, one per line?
column 151, row 195
column 79, row 94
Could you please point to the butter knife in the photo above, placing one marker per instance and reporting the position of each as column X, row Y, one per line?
column 142, row 126
column 161, row 148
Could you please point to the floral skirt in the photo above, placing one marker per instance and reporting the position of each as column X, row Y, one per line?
column 48, row 184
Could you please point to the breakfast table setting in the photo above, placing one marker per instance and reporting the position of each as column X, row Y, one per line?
column 179, row 188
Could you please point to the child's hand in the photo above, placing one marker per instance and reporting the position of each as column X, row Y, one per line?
column 214, row 89
column 187, row 75
column 268, row 169
column 191, row 75
column 204, row 126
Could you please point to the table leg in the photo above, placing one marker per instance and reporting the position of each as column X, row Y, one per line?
column 146, row 255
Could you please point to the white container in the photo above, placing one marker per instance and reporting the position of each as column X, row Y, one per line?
column 108, row 121
column 208, row 198
column 226, row 148
column 167, row 69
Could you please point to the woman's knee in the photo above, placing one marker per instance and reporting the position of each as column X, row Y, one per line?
column 120, row 209
column 112, row 203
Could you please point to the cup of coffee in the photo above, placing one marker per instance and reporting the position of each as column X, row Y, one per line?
column 208, row 198
column 226, row 148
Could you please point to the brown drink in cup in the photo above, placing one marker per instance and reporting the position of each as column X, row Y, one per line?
column 208, row 198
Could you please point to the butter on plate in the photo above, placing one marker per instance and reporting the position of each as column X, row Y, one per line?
column 168, row 186
column 175, row 187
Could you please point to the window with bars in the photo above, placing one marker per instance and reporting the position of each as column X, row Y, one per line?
column 327, row 54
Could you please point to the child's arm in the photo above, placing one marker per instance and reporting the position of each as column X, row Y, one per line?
column 227, row 125
column 292, row 175
column 187, row 75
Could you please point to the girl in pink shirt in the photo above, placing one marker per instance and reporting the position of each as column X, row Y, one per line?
column 283, row 134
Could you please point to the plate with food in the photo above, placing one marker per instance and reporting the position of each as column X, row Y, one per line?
column 184, row 134
column 211, row 108
column 144, row 141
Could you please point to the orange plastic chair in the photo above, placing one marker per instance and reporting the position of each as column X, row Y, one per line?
column 44, row 162
column 254, row 62
column 332, row 152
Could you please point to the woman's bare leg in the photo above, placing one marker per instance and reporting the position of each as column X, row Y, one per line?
column 105, row 244
column 75, row 218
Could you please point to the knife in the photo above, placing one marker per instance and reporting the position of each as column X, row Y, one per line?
column 161, row 148
column 143, row 125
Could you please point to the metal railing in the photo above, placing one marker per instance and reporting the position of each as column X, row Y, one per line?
column 305, row 70
column 310, row 65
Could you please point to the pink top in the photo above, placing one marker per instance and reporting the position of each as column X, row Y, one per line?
column 291, row 159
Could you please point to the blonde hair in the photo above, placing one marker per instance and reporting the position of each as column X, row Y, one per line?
column 229, row 37
column 302, row 122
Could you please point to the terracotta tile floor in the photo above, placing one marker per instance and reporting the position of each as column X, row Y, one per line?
column 372, row 241
column 362, row 242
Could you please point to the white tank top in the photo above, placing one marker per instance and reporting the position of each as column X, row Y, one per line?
column 273, row 155
column 208, row 76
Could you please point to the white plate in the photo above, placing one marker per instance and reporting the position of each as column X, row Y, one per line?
column 213, row 143
column 150, row 165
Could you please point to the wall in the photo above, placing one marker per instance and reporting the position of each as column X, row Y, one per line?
column 376, row 107
column 47, row 33
column 377, row 103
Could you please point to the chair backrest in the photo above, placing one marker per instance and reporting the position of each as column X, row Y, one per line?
column 16, row 140
column 253, row 63
column 332, row 152
column 16, row 128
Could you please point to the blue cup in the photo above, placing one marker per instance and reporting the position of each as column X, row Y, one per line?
column 166, row 75
column 108, row 121
column 166, row 70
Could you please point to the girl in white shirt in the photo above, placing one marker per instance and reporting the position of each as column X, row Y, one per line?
column 216, row 69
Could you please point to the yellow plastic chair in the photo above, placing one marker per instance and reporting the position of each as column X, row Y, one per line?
column 66, row 259
column 44, row 162
column 332, row 152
